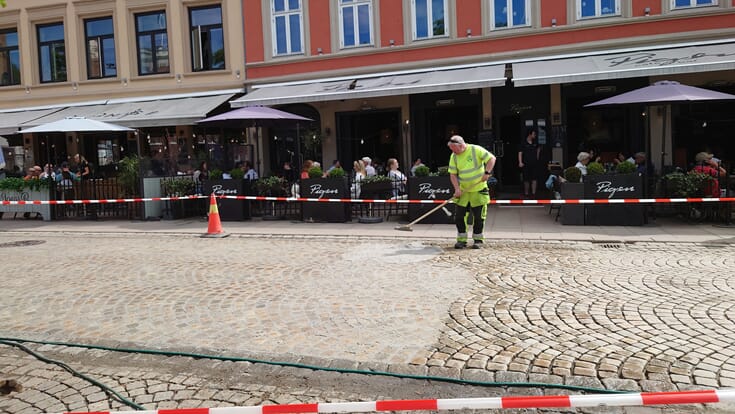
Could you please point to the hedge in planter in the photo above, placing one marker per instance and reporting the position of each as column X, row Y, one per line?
column 18, row 189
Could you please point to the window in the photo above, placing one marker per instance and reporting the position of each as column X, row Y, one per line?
column 100, row 48
column 678, row 4
column 52, row 53
column 356, row 17
column 510, row 13
column 152, row 39
column 429, row 18
column 597, row 8
column 287, row 30
column 207, row 38
column 9, row 58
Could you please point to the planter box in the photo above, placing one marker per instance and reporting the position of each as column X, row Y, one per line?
column 230, row 210
column 26, row 195
column 430, row 188
column 572, row 214
column 614, row 186
column 330, row 212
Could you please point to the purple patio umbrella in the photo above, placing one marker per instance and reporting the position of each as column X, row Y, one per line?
column 664, row 93
column 257, row 116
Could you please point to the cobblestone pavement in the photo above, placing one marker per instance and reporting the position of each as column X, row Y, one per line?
column 644, row 316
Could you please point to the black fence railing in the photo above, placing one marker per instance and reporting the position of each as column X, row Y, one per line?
column 94, row 189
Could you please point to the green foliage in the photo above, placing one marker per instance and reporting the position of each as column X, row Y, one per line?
column 442, row 171
column 19, row 184
column 315, row 172
column 271, row 186
column 215, row 174
column 178, row 186
column 595, row 168
column 128, row 174
column 686, row 185
column 376, row 179
column 573, row 174
column 625, row 167
column 337, row 172
column 237, row 173
column 422, row 171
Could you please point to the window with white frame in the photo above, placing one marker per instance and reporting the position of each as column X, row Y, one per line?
column 287, row 27
column 429, row 18
column 356, row 22
column 510, row 13
column 680, row 4
column 597, row 8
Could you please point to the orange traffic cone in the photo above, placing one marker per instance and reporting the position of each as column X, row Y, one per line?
column 215, row 226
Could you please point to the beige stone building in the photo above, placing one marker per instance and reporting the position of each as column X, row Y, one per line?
column 153, row 65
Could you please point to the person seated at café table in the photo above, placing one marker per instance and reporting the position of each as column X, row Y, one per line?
column 705, row 164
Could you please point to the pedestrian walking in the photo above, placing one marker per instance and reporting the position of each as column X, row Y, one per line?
column 470, row 166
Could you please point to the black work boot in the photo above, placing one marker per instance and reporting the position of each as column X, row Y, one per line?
column 477, row 244
column 460, row 245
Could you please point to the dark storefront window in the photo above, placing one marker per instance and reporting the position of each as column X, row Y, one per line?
column 101, row 61
column 9, row 58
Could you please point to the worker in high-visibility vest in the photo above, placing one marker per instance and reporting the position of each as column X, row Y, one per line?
column 470, row 166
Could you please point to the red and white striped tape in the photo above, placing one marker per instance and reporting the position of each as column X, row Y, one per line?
column 536, row 401
column 390, row 201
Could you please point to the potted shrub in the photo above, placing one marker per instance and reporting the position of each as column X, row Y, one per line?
column 572, row 189
column 430, row 186
column 422, row 171
column 178, row 187
column 595, row 168
column 334, row 185
column 625, row 167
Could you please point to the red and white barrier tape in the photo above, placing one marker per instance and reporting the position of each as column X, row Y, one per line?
column 536, row 401
column 390, row 201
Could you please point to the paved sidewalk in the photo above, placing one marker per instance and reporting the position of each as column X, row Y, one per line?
column 504, row 222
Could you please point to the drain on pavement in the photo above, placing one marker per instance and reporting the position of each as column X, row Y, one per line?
column 22, row 243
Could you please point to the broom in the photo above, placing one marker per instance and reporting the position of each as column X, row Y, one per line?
column 407, row 227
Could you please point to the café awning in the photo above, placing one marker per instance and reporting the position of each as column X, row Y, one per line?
column 627, row 63
column 367, row 86
column 12, row 121
column 142, row 113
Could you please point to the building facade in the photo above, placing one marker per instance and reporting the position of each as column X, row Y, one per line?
column 153, row 65
column 395, row 78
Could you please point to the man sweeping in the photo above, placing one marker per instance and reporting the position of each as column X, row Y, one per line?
column 470, row 166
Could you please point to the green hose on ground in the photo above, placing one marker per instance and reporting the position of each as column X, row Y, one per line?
column 318, row 368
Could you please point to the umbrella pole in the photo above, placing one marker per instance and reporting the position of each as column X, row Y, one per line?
column 663, row 137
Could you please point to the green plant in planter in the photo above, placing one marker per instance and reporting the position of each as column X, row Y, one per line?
column 376, row 179
column 19, row 184
column 422, row 171
column 179, row 186
column 237, row 173
column 128, row 174
column 442, row 171
column 271, row 186
column 595, row 168
column 315, row 172
column 573, row 174
column 337, row 172
column 625, row 167
column 686, row 185
column 215, row 174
